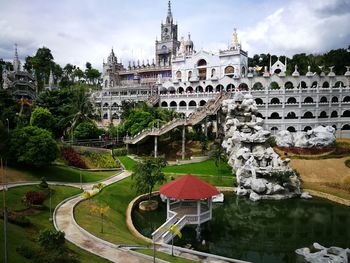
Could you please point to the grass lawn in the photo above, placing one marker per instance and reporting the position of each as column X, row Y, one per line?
column 55, row 173
column 127, row 162
column 203, row 168
column 227, row 181
column 165, row 256
column 18, row 236
column 327, row 189
column 117, row 196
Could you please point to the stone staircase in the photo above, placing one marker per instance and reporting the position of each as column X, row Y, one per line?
column 210, row 108
column 153, row 100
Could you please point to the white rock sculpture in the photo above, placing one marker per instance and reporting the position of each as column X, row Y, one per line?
column 317, row 137
column 324, row 255
column 257, row 166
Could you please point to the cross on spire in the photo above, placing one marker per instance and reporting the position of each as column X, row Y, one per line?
column 169, row 18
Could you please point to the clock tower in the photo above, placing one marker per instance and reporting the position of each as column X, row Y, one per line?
column 167, row 46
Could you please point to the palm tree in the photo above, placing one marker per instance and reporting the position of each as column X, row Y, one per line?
column 219, row 155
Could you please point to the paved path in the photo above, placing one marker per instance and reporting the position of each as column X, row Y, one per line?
column 64, row 221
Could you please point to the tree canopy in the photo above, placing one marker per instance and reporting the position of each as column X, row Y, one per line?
column 42, row 118
column 32, row 146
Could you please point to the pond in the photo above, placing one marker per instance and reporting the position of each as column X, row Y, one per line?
column 264, row 231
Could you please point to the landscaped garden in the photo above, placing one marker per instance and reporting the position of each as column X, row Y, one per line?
column 29, row 213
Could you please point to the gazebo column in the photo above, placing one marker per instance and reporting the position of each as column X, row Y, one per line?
column 198, row 228
column 183, row 141
column 155, row 146
column 210, row 206
column 167, row 208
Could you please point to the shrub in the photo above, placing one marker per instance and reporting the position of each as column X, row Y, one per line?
column 347, row 163
column 19, row 220
column 86, row 130
column 100, row 160
column 272, row 141
column 73, row 158
column 51, row 239
column 26, row 251
column 34, row 198
column 120, row 152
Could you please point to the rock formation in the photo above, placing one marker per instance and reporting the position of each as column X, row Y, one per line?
column 320, row 254
column 317, row 137
column 260, row 172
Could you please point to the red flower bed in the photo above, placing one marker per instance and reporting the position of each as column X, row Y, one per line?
column 34, row 198
column 73, row 158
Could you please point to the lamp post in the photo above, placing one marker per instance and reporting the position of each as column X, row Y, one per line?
column 50, row 217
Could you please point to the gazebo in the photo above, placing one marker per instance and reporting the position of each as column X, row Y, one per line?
column 189, row 200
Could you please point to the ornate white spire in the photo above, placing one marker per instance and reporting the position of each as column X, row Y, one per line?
column 16, row 62
column 235, row 42
column 169, row 18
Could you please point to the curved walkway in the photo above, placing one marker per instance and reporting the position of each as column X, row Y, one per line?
column 64, row 221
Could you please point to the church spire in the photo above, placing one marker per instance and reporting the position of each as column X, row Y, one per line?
column 169, row 18
column 16, row 62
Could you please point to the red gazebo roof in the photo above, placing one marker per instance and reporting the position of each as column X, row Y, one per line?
column 188, row 187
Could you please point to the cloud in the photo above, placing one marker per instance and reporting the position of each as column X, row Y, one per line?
column 86, row 30
column 299, row 27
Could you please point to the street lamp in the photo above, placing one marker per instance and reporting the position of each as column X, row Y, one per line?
column 8, row 125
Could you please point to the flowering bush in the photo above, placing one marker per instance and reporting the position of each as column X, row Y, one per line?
column 34, row 198
column 73, row 158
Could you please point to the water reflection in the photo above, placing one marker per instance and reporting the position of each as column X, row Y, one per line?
column 265, row 231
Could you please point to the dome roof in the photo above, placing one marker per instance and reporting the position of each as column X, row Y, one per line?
column 189, row 42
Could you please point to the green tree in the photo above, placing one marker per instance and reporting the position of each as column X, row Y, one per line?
column 42, row 118
column 32, row 146
column 78, row 73
column 147, row 174
column 86, row 130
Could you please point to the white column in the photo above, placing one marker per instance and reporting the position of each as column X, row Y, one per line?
column 199, row 211
column 167, row 208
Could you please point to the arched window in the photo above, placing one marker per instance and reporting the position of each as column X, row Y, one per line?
column 288, row 85
column 346, row 113
column 173, row 104
column 114, row 105
column 178, row 74
column 192, row 103
column 202, row 103
column 180, row 90
column 334, row 99
column 339, row 84
column 314, row 85
column 323, row 100
column 308, row 100
column 219, row 88
column 243, row 71
column 259, row 101
column 334, row 114
column 323, row 114
column 308, row 115
column 213, row 73
column 291, row 115
column 189, row 89
column 274, row 86
column 275, row 101
column 106, row 83
column 325, row 85
column 105, row 104
column 307, row 128
column 275, row 115
column 199, row 89
column 274, row 129
column 243, row 86
column 346, row 127
column 164, row 104
column 346, row 99
column 303, row 85
column 189, row 75
column 182, row 104
column 230, row 87
column 260, row 115
column 258, row 86
column 229, row 71
column 334, row 126
column 209, row 88
column 291, row 100
column 164, row 90
column 291, row 129
column 171, row 90
column 202, row 69
column 105, row 116
column 115, row 116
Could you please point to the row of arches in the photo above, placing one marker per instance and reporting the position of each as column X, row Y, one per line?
column 174, row 104
column 345, row 127
column 114, row 116
column 292, row 100
column 200, row 89
column 289, row 85
column 307, row 115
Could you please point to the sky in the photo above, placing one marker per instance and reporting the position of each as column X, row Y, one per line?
column 77, row 31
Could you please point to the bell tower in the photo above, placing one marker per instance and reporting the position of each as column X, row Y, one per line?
column 167, row 46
